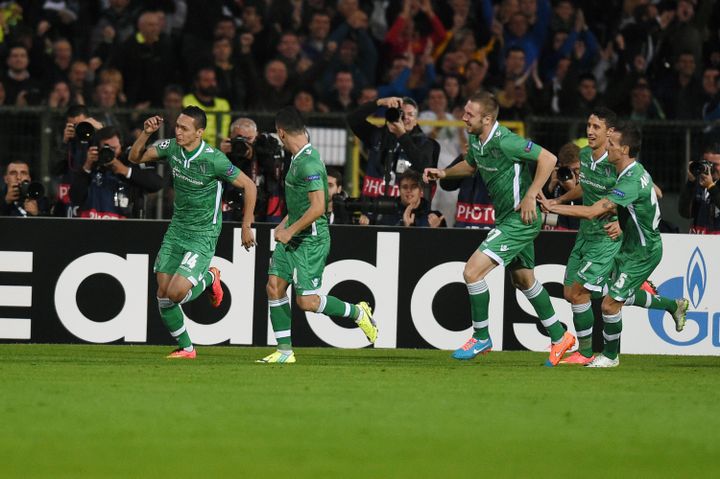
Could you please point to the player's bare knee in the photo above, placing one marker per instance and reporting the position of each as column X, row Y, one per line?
column 176, row 294
column 522, row 279
column 568, row 294
column 308, row 303
column 610, row 306
column 472, row 275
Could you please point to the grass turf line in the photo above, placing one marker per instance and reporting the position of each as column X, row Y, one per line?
column 120, row 411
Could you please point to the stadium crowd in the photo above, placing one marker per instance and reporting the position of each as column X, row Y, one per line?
column 645, row 59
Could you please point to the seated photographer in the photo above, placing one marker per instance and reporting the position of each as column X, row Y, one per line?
column 394, row 147
column 72, row 152
column 338, row 216
column 107, row 187
column 262, row 158
column 411, row 208
column 20, row 196
column 700, row 199
column 563, row 179
column 474, row 207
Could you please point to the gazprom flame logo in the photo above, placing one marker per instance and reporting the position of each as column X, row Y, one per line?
column 696, row 277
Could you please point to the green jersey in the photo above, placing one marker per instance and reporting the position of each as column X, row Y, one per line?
column 640, row 213
column 597, row 178
column 307, row 173
column 503, row 163
column 197, row 179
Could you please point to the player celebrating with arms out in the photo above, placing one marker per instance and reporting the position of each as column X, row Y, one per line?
column 591, row 260
column 182, row 263
column 633, row 197
column 303, row 242
column 502, row 159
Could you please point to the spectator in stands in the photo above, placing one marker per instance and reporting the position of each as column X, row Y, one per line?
column 204, row 95
column 318, row 30
column 356, row 51
column 59, row 96
column 452, row 86
column 274, row 92
column 681, row 92
column 20, row 88
column 700, row 198
column 394, row 147
column 80, row 87
column 367, row 94
column 475, row 74
column 643, row 106
column 452, row 142
column 115, row 78
column 564, row 178
column 341, row 98
column 107, row 186
column 231, row 84
column 115, row 26
column 57, row 66
column 514, row 68
column 414, row 27
column 583, row 99
column 12, row 200
column 263, row 38
column 519, row 33
column 147, row 61
column 711, row 92
column 289, row 52
column 304, row 101
column 514, row 104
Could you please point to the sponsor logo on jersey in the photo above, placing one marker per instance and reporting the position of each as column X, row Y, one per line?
column 312, row 178
column 164, row 145
column 619, row 193
column 528, row 147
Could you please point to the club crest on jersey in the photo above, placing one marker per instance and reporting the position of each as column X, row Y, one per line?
column 528, row 147
column 203, row 168
column 312, row 178
column 163, row 145
column 230, row 170
column 619, row 193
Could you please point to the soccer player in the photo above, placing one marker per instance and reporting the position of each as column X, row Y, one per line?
column 182, row 263
column 303, row 242
column 503, row 158
column 633, row 197
column 591, row 260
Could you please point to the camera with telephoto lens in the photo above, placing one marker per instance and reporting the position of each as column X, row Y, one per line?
column 393, row 114
column 30, row 190
column 565, row 174
column 380, row 205
column 240, row 148
column 84, row 132
column 106, row 154
column 700, row 167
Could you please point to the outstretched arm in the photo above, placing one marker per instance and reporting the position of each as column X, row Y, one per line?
column 602, row 207
column 150, row 126
column 459, row 170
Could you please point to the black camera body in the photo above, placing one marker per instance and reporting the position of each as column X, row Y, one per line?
column 241, row 148
column 30, row 191
column 700, row 167
column 380, row 205
column 393, row 114
column 106, row 154
column 564, row 173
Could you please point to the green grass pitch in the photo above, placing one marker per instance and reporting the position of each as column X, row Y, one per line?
column 125, row 411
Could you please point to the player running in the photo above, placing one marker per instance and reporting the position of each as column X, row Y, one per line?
column 502, row 158
column 591, row 260
column 633, row 197
column 182, row 263
column 303, row 242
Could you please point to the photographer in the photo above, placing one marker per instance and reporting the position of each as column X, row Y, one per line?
column 564, row 178
column 393, row 148
column 107, row 187
column 339, row 215
column 20, row 196
column 72, row 151
column 261, row 158
column 700, row 199
column 412, row 209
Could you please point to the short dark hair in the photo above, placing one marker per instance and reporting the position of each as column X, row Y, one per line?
column 587, row 76
column 335, row 173
column 22, row 162
column 290, row 120
column 173, row 88
column 197, row 114
column 488, row 101
column 630, row 136
column 515, row 48
column 608, row 116
column 106, row 133
column 76, row 110
column 410, row 175
column 409, row 101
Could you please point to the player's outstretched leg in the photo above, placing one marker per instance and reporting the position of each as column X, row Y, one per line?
column 676, row 307
column 210, row 278
column 280, row 317
column 361, row 313
column 173, row 318
column 538, row 296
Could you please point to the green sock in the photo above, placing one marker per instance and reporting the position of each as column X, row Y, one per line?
column 479, row 303
column 643, row 299
column 583, row 320
column 612, row 327
column 174, row 320
column 195, row 291
column 540, row 300
column 280, row 317
column 331, row 306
